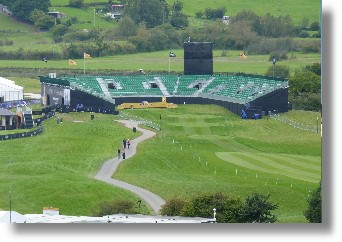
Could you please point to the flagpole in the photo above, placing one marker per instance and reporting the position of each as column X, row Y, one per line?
column 83, row 64
column 169, row 63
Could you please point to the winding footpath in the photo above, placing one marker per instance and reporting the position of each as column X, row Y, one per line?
column 109, row 167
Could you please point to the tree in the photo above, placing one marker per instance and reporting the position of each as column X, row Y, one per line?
column 76, row 3
column 45, row 22
column 315, row 26
column 228, row 207
column 214, row 13
column 314, row 67
column 151, row 12
column 314, row 211
column 22, row 9
column 114, row 207
column 177, row 6
column 242, row 34
column 58, row 31
column 126, row 27
column 172, row 207
column 179, row 20
column 99, row 38
column 41, row 20
column 279, row 71
column 304, row 82
column 257, row 209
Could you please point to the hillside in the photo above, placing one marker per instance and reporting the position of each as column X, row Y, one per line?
column 297, row 9
column 26, row 38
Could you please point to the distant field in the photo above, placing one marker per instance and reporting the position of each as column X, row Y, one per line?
column 30, row 85
column 297, row 9
column 66, row 2
column 159, row 61
column 8, row 24
column 85, row 17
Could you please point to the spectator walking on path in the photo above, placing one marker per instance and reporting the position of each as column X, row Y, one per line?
column 124, row 143
column 128, row 143
column 123, row 154
column 119, row 153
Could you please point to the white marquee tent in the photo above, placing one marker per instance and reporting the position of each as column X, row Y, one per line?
column 9, row 91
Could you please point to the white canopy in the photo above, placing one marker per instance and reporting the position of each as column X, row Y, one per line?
column 10, row 91
column 14, row 217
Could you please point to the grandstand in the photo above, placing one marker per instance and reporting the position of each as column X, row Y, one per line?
column 233, row 91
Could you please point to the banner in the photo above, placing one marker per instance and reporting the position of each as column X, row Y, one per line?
column 72, row 63
column 85, row 55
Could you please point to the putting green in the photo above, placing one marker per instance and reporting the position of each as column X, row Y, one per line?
column 305, row 168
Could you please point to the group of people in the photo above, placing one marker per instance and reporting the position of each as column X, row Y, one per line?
column 125, row 144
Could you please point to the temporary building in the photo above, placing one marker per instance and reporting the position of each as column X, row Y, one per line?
column 12, row 217
column 9, row 91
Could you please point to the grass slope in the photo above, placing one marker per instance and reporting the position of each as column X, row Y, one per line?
column 297, row 9
column 57, row 167
column 201, row 148
column 207, row 149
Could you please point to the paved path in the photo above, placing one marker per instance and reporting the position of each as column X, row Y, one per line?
column 110, row 166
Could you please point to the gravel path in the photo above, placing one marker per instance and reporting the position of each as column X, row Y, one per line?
column 110, row 166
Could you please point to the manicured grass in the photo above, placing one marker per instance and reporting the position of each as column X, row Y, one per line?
column 57, row 167
column 201, row 148
column 159, row 61
column 207, row 149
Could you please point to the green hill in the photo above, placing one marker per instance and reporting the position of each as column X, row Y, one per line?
column 297, row 9
column 201, row 148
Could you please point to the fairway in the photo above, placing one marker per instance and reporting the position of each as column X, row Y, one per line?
column 293, row 166
column 205, row 148
column 200, row 149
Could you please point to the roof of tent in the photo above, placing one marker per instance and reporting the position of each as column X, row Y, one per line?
column 12, row 216
column 8, row 85
column 5, row 112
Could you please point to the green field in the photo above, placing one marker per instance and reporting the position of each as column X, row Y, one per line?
column 159, row 61
column 206, row 146
column 201, row 148
column 297, row 9
column 208, row 149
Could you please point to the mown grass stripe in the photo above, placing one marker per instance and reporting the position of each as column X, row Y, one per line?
column 277, row 162
column 252, row 161
column 283, row 169
column 298, row 161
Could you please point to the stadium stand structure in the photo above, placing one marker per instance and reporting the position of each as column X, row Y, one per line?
column 235, row 92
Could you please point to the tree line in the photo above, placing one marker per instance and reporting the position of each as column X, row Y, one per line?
column 226, row 208
column 152, row 25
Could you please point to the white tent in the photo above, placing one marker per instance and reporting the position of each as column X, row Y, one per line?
column 13, row 217
column 9, row 91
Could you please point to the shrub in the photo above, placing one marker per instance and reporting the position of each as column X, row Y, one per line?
column 172, row 207
column 114, row 207
column 76, row 3
column 228, row 207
